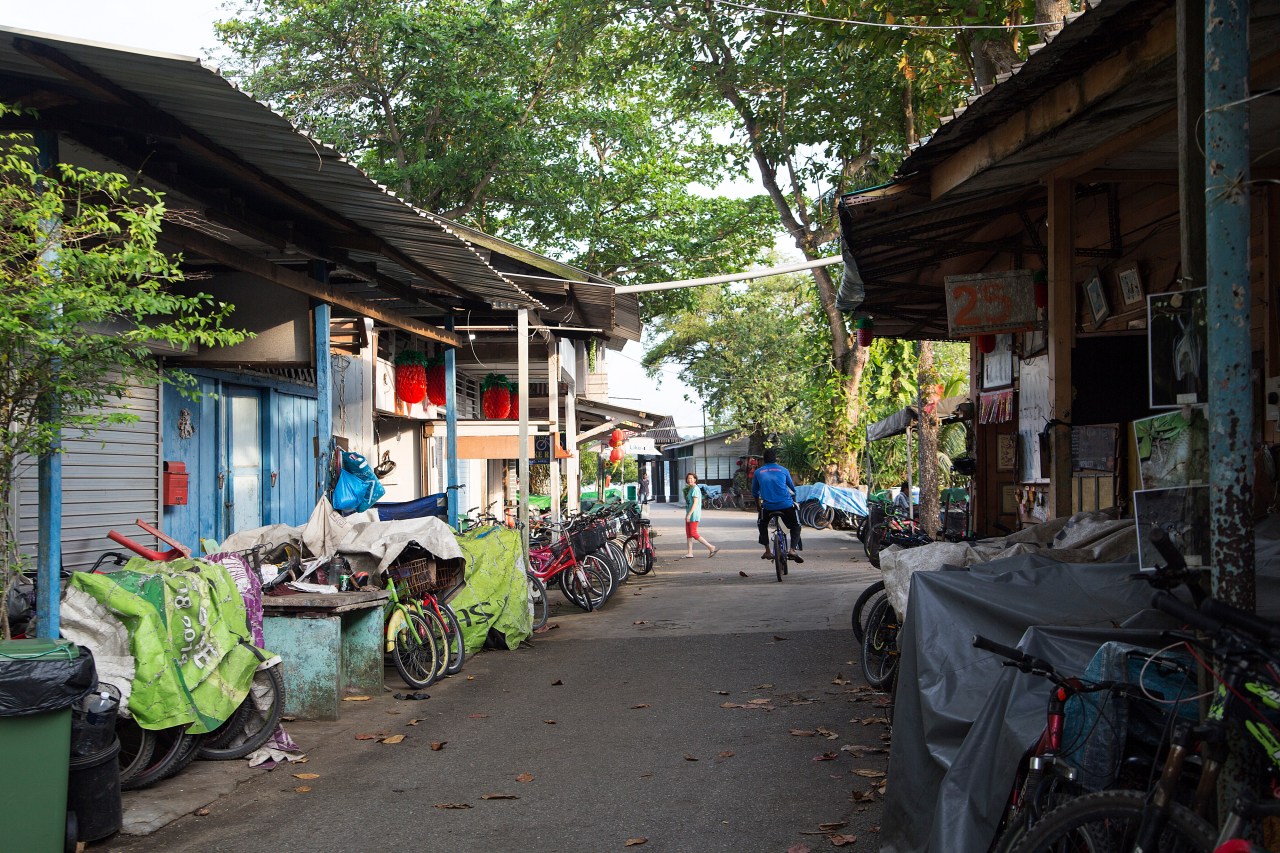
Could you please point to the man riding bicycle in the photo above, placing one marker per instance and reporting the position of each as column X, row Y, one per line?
column 773, row 487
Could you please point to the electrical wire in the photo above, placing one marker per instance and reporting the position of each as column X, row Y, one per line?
column 878, row 24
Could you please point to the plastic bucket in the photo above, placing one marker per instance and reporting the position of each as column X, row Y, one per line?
column 93, row 793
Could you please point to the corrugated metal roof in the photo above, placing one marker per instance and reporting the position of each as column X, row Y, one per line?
column 211, row 108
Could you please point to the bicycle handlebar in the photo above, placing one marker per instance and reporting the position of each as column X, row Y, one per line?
column 1263, row 629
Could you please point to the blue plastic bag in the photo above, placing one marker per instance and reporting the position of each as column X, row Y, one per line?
column 358, row 488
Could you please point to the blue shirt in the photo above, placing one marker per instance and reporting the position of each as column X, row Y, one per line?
column 772, row 485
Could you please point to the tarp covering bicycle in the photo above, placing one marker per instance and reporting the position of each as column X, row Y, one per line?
column 494, row 594
column 848, row 500
column 185, row 622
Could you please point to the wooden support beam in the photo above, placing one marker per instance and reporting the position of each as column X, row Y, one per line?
column 188, row 239
column 1062, row 322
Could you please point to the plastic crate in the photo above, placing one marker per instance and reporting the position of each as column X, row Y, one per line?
column 426, row 576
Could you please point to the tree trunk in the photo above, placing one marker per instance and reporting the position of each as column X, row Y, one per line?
column 927, row 378
column 1049, row 14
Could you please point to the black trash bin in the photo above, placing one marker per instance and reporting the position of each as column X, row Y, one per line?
column 93, row 783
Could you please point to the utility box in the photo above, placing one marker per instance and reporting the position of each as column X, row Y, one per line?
column 175, row 484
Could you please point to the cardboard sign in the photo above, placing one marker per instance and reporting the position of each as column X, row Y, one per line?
column 985, row 303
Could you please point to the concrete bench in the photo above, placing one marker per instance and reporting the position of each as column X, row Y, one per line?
column 330, row 644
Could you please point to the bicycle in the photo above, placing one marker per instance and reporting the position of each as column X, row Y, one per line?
column 409, row 638
column 429, row 583
column 584, row 578
column 639, row 548
column 1246, row 648
column 779, row 542
column 880, row 646
column 868, row 596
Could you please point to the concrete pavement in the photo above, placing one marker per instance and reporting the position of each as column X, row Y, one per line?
column 699, row 710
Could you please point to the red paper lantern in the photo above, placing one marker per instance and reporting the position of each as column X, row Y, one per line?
column 495, row 397
column 514, row 412
column 411, row 377
column 617, row 437
column 865, row 327
column 615, row 456
column 985, row 343
column 436, row 392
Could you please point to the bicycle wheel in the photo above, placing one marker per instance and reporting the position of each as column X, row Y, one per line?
column 175, row 749
column 265, row 705
column 1109, row 821
column 438, row 634
column 880, row 646
column 1036, row 799
column 634, row 553
column 137, row 745
column 573, row 583
column 456, row 647
column 538, row 605
column 779, row 551
column 823, row 517
column 861, row 611
column 616, row 558
column 600, row 580
column 413, row 650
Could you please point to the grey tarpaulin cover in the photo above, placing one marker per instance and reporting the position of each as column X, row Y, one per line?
column 960, row 722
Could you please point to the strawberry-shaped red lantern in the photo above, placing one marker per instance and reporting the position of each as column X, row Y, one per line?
column 514, row 412
column 866, row 328
column 411, row 377
column 495, row 397
column 986, row 343
column 615, row 456
column 617, row 437
column 436, row 392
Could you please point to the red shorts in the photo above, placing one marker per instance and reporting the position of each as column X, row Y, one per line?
column 691, row 529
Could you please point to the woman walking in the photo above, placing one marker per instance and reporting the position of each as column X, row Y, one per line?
column 692, row 515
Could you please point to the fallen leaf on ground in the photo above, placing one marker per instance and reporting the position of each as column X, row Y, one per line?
column 802, row 733
column 499, row 797
column 356, row 698
column 863, row 796
column 453, row 805
column 638, row 707
column 826, row 756
column 870, row 774
column 759, row 701
column 438, row 745
column 839, row 679
column 393, row 739
column 639, row 622
column 872, row 720
column 471, row 678
column 827, row 733
column 302, row 789
column 763, row 686
column 842, row 840
column 728, row 753
column 306, row 775
column 477, row 716
column 778, row 639
column 731, row 705
column 743, row 575
column 688, row 757
column 635, row 842
column 557, row 683
column 369, row 737
column 834, row 825
column 413, row 722
column 525, row 777
column 549, row 722
column 545, row 628
column 721, row 692
column 201, row 813
column 799, row 848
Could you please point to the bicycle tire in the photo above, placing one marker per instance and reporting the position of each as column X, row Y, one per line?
column 860, row 609
column 222, row 735
column 601, row 580
column 413, row 651
column 779, row 551
column 880, row 646
column 823, row 517
column 168, row 746
column 616, row 559
column 438, row 635
column 1050, row 792
column 539, row 608
column 456, row 645
column 1108, row 820
column 260, row 723
column 137, row 745
column 572, row 587
column 634, row 553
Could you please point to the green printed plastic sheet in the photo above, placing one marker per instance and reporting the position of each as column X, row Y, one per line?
column 495, row 593
column 186, row 621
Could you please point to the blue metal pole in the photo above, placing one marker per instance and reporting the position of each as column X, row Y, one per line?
column 324, row 383
column 49, row 469
column 451, row 426
column 1230, row 412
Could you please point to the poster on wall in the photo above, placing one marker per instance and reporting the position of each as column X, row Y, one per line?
column 1183, row 514
column 997, row 365
column 1173, row 449
column 1033, row 414
column 1178, row 357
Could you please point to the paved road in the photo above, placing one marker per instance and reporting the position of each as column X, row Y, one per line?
column 616, row 721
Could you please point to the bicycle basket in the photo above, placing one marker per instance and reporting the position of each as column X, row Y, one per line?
column 588, row 539
column 426, row 575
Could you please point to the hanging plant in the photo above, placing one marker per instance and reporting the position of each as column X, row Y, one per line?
column 591, row 356
column 436, row 392
column 495, row 397
column 411, row 377
column 513, row 413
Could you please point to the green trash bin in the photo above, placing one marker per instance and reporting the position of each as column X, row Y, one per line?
column 39, row 682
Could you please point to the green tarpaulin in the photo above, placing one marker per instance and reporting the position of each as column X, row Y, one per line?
column 186, row 621
column 495, row 593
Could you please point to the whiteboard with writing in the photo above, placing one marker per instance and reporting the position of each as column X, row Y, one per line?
column 1034, row 411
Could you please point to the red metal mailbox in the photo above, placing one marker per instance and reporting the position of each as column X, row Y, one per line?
column 175, row 484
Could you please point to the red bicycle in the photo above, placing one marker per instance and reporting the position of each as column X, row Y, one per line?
column 584, row 578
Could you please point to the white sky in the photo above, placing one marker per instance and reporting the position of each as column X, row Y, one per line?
column 186, row 27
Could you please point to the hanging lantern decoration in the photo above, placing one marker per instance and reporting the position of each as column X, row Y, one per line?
column 514, row 412
column 616, row 438
column 985, row 343
column 866, row 331
column 411, row 377
column 495, row 397
column 436, row 392
column 1040, row 288
column 615, row 455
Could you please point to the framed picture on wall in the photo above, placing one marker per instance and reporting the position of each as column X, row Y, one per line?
column 997, row 365
column 1182, row 513
column 1179, row 358
column 1130, row 284
column 1097, row 297
column 1009, row 500
column 1006, row 452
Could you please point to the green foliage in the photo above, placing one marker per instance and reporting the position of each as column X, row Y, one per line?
column 84, row 293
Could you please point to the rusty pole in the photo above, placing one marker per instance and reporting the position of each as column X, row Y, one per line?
column 1226, row 130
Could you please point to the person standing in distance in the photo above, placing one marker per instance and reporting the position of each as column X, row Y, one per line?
column 773, row 487
column 693, row 514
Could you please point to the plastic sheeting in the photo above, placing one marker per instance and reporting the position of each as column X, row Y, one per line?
column 849, row 500
column 961, row 721
column 949, row 409
column 495, row 594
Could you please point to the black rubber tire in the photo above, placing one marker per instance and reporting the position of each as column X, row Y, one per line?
column 1051, row 791
column 601, row 580
column 1104, row 821
column 137, row 745
column 222, row 735
column 538, row 600
column 823, row 517
column 615, row 558
column 457, row 647
column 861, row 610
column 572, row 588
column 439, row 638
column 259, row 724
column 634, row 553
column 414, row 651
column 779, row 555
column 174, row 750
column 880, row 646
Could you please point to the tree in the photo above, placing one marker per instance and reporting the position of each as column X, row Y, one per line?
column 84, row 292
column 545, row 124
